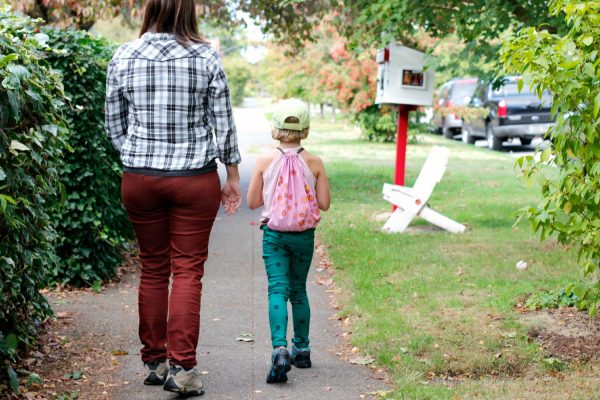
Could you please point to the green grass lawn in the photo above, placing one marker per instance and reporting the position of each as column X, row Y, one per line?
column 436, row 309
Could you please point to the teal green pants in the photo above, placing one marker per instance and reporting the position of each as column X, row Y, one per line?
column 287, row 257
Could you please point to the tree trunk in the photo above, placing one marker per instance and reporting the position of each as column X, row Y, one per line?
column 322, row 110
column 39, row 10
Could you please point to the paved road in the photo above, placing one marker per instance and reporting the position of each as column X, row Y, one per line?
column 234, row 302
column 514, row 148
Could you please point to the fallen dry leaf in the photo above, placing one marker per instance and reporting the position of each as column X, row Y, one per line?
column 380, row 393
column 362, row 360
column 245, row 337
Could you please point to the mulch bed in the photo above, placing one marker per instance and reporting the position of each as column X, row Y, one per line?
column 566, row 333
column 60, row 359
column 62, row 355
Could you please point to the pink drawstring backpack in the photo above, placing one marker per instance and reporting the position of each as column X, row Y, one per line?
column 294, row 207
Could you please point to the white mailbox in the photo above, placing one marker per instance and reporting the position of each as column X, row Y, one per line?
column 402, row 77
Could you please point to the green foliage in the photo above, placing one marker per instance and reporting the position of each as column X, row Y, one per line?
column 280, row 19
column 13, row 380
column 32, row 142
column 75, row 375
column 34, row 379
column 67, row 396
column 568, row 66
column 92, row 223
column 551, row 299
column 554, row 364
column 286, row 76
column 238, row 74
column 477, row 23
column 377, row 124
column 380, row 124
column 322, row 72
column 452, row 58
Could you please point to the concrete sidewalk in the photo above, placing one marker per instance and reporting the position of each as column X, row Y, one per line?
column 234, row 302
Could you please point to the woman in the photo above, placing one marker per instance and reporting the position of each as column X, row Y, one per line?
column 166, row 95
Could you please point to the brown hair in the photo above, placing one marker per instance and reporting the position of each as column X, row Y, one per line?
column 289, row 135
column 172, row 16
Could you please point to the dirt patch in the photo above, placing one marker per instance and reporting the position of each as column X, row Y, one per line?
column 566, row 333
column 415, row 229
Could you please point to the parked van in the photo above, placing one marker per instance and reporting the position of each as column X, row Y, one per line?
column 452, row 94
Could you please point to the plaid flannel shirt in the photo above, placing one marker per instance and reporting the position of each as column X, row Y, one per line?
column 164, row 102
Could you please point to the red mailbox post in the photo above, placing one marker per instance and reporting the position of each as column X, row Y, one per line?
column 401, row 141
column 403, row 81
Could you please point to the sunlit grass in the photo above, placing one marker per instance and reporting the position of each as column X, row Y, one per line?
column 430, row 305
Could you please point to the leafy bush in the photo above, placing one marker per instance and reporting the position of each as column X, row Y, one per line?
column 569, row 67
column 92, row 224
column 32, row 141
column 380, row 124
column 377, row 124
column 551, row 299
column 238, row 75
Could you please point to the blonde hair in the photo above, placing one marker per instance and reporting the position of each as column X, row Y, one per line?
column 289, row 135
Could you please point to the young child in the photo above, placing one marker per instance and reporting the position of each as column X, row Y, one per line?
column 292, row 186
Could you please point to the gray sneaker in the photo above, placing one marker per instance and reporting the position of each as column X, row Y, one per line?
column 184, row 382
column 156, row 372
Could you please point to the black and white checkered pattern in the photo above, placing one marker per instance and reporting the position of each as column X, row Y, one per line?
column 165, row 101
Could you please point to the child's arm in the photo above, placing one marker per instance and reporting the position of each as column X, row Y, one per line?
column 254, row 197
column 322, row 187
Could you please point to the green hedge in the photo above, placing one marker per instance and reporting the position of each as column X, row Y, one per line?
column 92, row 225
column 32, row 142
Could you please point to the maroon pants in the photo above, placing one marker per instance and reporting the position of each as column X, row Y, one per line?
column 172, row 218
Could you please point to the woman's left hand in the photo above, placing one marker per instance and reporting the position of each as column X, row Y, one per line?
column 231, row 196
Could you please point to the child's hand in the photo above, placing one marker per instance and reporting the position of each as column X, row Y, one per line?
column 231, row 196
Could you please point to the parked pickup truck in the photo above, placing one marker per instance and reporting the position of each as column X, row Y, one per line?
column 510, row 114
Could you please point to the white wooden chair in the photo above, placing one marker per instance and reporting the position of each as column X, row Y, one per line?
column 412, row 202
